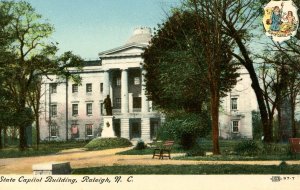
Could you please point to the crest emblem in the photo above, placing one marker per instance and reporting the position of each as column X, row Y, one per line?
column 280, row 20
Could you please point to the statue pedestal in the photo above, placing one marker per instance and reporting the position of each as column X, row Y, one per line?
column 108, row 130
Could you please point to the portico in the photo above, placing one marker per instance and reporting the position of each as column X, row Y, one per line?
column 118, row 73
column 123, row 80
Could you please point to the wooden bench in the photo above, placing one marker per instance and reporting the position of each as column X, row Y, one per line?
column 294, row 145
column 164, row 150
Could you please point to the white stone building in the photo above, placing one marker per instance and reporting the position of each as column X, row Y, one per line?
column 72, row 111
column 77, row 111
column 236, row 109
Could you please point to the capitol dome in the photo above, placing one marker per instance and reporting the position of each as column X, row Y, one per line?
column 141, row 35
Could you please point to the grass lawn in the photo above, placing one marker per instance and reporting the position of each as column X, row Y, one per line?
column 238, row 157
column 272, row 152
column 147, row 151
column 45, row 148
column 190, row 169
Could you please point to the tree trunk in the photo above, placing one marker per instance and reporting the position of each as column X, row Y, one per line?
column 280, row 134
column 294, row 127
column 1, row 138
column 37, row 125
column 261, row 104
column 5, row 138
column 215, row 120
column 22, row 128
column 248, row 63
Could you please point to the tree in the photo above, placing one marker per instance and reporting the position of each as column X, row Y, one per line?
column 179, row 46
column 215, row 53
column 34, row 57
column 5, row 97
column 281, row 88
column 289, row 51
column 238, row 18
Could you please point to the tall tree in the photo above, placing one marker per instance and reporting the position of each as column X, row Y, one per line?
column 178, row 46
column 290, row 52
column 238, row 18
column 215, row 53
column 34, row 56
column 5, row 97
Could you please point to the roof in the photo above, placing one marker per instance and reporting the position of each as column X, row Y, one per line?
column 139, row 40
column 92, row 63
column 140, row 35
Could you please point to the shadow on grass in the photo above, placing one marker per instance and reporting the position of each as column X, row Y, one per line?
column 44, row 149
column 190, row 169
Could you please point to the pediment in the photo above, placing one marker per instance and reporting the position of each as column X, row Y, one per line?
column 127, row 50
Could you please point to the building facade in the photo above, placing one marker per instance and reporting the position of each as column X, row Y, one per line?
column 235, row 120
column 76, row 111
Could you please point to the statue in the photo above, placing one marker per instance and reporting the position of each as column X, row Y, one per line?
column 107, row 104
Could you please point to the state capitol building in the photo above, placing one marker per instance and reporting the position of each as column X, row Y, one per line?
column 76, row 111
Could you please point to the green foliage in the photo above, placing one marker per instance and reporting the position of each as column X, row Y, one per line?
column 256, row 125
column 140, row 145
column 274, row 148
column 28, row 55
column 185, row 128
column 189, row 169
column 195, row 151
column 45, row 148
column 247, row 147
column 107, row 143
column 176, row 70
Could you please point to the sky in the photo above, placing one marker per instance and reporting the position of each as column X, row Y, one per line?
column 87, row 27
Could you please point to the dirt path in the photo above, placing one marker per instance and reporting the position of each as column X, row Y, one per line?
column 80, row 159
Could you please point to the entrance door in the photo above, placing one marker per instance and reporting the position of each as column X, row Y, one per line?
column 135, row 129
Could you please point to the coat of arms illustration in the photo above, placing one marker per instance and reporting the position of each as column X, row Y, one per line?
column 281, row 20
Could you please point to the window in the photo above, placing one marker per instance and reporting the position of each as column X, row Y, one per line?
column 137, row 81
column 89, row 130
column 101, row 108
column 101, row 87
column 153, row 129
column 233, row 103
column 235, row 126
column 89, row 108
column 118, row 103
column 89, row 87
column 74, row 131
column 74, row 109
column 53, row 110
column 53, row 88
column 74, row 88
column 137, row 102
column 118, row 81
column 53, row 130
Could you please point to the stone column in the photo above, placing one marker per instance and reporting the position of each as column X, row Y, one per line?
column 124, row 91
column 106, row 84
column 130, row 102
column 145, row 129
column 145, row 103
column 125, row 128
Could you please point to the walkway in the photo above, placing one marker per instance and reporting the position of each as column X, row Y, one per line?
column 81, row 159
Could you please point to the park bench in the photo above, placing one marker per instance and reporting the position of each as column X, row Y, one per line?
column 163, row 150
column 294, row 145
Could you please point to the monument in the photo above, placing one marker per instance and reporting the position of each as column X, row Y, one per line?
column 108, row 130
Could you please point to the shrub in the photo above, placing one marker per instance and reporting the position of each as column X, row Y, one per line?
column 196, row 151
column 247, row 147
column 275, row 148
column 107, row 143
column 140, row 145
column 185, row 128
